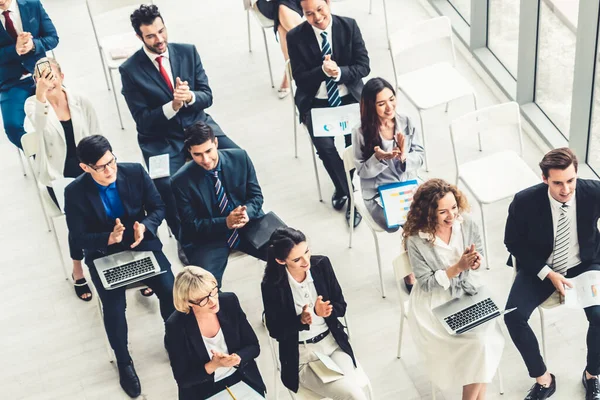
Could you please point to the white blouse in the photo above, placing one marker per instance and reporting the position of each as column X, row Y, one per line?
column 218, row 344
column 305, row 293
column 450, row 253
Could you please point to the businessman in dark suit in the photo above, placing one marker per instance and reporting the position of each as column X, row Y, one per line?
column 166, row 89
column 217, row 195
column 329, row 60
column 26, row 34
column 109, row 209
column 552, row 231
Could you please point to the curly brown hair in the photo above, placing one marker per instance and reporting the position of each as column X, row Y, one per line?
column 422, row 215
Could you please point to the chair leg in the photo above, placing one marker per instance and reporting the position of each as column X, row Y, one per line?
column 268, row 58
column 108, row 83
column 378, row 252
column 43, row 208
column 275, row 368
column 500, row 380
column 62, row 259
column 401, row 332
column 432, row 392
column 249, row 33
column 312, row 150
column 22, row 162
column 485, row 239
column 447, row 107
column 352, row 210
column 543, row 324
column 295, row 130
column 116, row 99
column 423, row 136
column 111, row 355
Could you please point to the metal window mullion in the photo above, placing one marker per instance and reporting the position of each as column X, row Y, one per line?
column 479, row 24
column 528, row 33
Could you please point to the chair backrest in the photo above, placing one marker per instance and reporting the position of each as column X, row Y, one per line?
column 498, row 124
column 348, row 158
column 402, row 267
column 59, row 185
column 429, row 42
column 29, row 142
column 111, row 17
column 99, row 7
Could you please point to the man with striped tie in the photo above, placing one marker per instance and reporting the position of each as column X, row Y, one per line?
column 329, row 60
column 216, row 196
column 552, row 232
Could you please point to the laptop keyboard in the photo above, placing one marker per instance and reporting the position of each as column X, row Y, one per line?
column 471, row 315
column 130, row 270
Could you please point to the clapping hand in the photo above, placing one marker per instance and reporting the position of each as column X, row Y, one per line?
column 323, row 308
column 138, row 233
column 383, row 155
column 237, row 218
column 24, row 43
column 330, row 67
column 222, row 360
column 306, row 317
column 181, row 94
column 117, row 234
column 400, row 150
column 468, row 259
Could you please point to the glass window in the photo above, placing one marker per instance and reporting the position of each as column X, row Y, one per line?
column 503, row 32
column 556, row 61
column 464, row 8
column 593, row 157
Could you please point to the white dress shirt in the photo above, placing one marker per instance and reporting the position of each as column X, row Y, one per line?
column 219, row 345
column 166, row 63
column 15, row 16
column 322, row 92
column 573, row 258
column 305, row 293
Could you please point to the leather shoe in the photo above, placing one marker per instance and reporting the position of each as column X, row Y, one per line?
column 338, row 201
column 592, row 387
column 357, row 217
column 539, row 392
column 129, row 380
column 181, row 254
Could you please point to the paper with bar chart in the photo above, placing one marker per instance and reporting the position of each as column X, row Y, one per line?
column 396, row 199
column 585, row 291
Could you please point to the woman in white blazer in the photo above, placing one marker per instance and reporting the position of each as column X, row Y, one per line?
column 61, row 119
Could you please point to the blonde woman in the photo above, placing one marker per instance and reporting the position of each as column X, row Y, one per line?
column 211, row 345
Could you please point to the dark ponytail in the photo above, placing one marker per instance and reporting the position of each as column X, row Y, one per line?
column 282, row 241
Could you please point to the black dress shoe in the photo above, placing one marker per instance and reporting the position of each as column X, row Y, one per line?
column 338, row 200
column 129, row 380
column 357, row 217
column 592, row 387
column 539, row 392
column 181, row 254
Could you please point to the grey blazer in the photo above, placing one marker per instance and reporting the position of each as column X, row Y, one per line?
column 425, row 260
column 374, row 173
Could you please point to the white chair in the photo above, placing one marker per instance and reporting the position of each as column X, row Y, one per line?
column 385, row 16
column 305, row 394
column 501, row 173
column 265, row 24
column 424, row 61
column 356, row 201
column 288, row 71
column 122, row 41
column 21, row 162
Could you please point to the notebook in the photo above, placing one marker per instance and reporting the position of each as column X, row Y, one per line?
column 240, row 390
column 159, row 166
column 395, row 200
column 335, row 121
column 325, row 368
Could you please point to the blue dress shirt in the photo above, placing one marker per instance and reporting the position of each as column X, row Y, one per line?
column 111, row 200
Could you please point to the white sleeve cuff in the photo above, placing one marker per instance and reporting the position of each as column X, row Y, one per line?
column 339, row 75
column 192, row 101
column 168, row 110
column 442, row 278
column 544, row 272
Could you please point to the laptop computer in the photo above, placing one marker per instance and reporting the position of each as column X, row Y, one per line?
column 121, row 269
column 335, row 121
column 467, row 312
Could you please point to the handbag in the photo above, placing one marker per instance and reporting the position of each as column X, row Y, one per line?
column 258, row 231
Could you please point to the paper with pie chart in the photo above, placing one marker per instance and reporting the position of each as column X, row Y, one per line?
column 585, row 291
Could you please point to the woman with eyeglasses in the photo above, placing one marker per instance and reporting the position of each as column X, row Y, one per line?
column 303, row 300
column 61, row 118
column 211, row 345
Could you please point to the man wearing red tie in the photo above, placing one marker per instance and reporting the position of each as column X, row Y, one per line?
column 167, row 90
column 26, row 34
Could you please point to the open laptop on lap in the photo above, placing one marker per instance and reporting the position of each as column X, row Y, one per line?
column 121, row 269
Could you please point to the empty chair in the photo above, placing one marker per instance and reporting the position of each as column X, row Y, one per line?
column 265, row 25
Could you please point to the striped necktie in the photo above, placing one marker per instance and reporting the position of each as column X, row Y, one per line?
column 233, row 240
column 561, row 243
column 333, row 94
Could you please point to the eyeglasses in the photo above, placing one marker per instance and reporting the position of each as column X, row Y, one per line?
column 204, row 301
column 102, row 168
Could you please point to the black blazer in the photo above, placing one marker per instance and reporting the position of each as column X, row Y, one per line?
column 283, row 323
column 194, row 194
column 349, row 52
column 90, row 227
column 188, row 353
column 529, row 234
column 146, row 92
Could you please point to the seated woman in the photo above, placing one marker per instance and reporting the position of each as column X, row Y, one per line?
column 303, row 300
column 286, row 14
column 387, row 148
column 211, row 345
column 444, row 247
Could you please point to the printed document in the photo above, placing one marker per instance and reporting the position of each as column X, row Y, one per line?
column 396, row 199
column 585, row 291
column 159, row 166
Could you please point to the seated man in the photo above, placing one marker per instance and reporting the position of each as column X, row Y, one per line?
column 111, row 209
column 552, row 232
column 217, row 195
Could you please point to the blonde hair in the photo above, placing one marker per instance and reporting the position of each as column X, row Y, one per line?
column 50, row 60
column 191, row 283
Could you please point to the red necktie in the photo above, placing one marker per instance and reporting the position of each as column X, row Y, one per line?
column 163, row 72
column 10, row 27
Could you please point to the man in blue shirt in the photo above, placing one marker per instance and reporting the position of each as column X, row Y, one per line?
column 111, row 209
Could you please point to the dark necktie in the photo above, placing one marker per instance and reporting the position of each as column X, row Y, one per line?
column 333, row 94
column 10, row 26
column 223, row 204
column 163, row 72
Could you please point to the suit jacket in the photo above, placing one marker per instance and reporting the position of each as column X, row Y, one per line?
column 146, row 92
column 38, row 23
column 188, row 354
column 52, row 145
column 194, row 191
column 90, row 227
column 283, row 323
column 349, row 52
column 529, row 233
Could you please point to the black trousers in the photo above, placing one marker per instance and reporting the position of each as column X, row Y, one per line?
column 163, row 185
column 326, row 147
column 526, row 294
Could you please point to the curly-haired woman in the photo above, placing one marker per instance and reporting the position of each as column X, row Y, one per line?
column 444, row 247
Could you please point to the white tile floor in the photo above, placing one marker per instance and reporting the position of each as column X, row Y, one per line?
column 53, row 344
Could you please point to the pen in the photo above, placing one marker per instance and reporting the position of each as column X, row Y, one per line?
column 231, row 394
